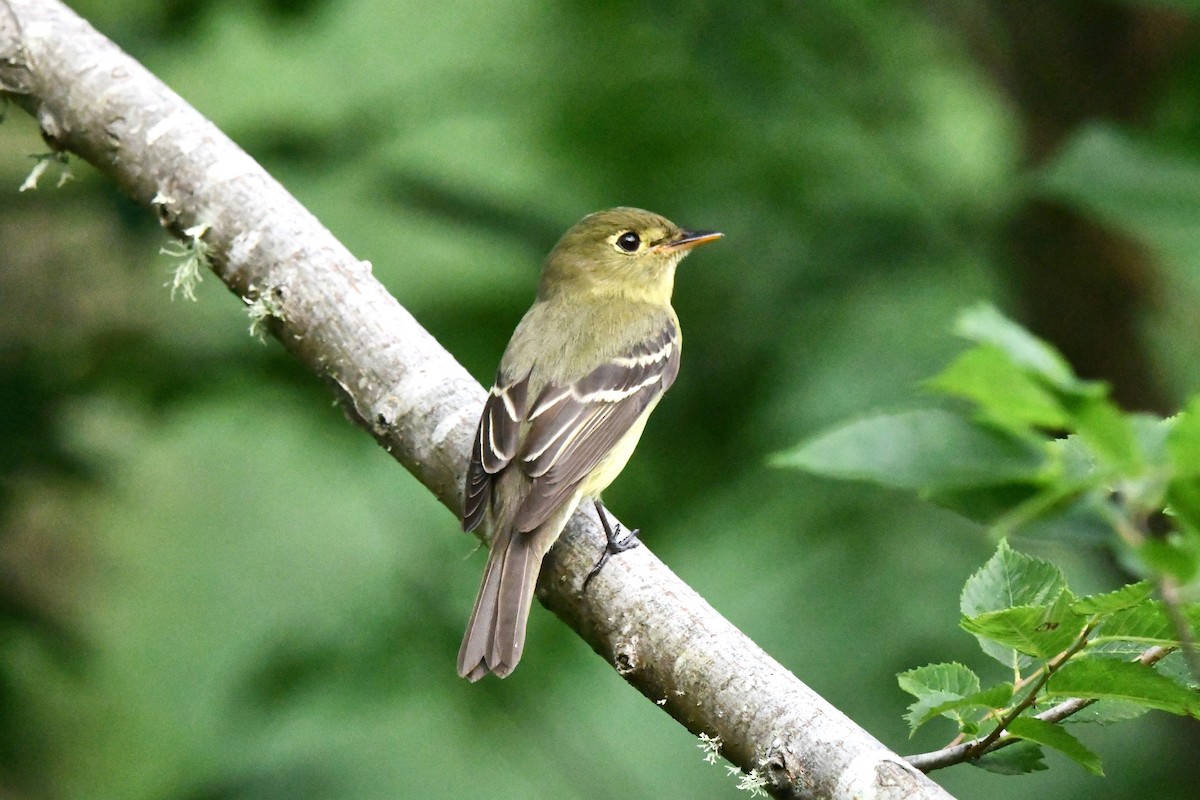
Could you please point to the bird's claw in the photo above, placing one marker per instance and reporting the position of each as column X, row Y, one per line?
column 614, row 544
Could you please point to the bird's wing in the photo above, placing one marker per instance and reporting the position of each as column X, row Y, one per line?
column 572, row 428
column 496, row 442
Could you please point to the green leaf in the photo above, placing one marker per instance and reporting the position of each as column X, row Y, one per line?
column 1183, row 442
column 1104, row 712
column 1081, row 517
column 1175, row 666
column 986, row 504
column 1000, row 377
column 1183, row 501
column 1107, row 431
column 1109, row 679
column 1039, row 631
column 921, row 450
column 985, row 325
column 1150, row 434
column 949, row 678
column 947, row 690
column 1003, row 390
column 1009, row 579
column 1146, row 624
column 934, row 685
column 982, row 703
column 1015, row 759
column 1108, row 602
column 1077, row 461
column 1051, row 735
column 1171, row 557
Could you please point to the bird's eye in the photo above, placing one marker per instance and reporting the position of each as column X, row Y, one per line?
column 629, row 241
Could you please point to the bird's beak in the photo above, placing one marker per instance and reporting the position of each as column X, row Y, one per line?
column 689, row 239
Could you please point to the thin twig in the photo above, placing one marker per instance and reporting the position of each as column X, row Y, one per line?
column 1030, row 698
column 959, row 753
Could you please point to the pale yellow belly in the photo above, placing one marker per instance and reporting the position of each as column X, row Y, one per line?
column 612, row 464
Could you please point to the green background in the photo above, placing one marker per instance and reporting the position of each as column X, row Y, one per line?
column 212, row 586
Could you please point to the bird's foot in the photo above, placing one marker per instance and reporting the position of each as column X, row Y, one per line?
column 614, row 545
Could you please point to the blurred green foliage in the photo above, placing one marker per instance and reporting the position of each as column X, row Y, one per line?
column 213, row 587
column 1035, row 450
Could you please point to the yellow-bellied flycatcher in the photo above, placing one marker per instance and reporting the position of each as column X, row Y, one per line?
column 582, row 372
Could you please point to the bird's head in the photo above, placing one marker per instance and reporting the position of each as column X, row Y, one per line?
column 621, row 252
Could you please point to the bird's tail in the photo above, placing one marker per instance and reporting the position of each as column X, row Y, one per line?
column 495, row 635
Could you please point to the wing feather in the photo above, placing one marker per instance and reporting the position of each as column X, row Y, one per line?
column 496, row 442
column 575, row 429
column 558, row 439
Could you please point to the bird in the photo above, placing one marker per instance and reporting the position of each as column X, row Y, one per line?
column 584, row 368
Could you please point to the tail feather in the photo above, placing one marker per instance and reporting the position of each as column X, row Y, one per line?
column 495, row 636
column 478, row 638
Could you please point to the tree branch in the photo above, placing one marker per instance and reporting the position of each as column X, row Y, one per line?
column 397, row 382
column 999, row 738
